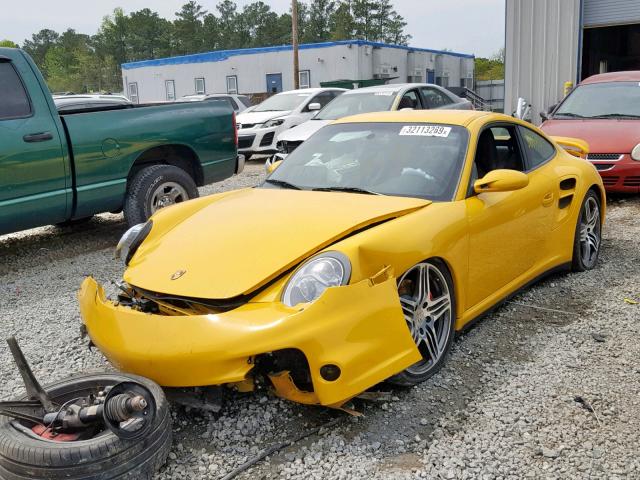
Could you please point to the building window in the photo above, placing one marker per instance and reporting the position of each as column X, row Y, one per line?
column 304, row 76
column 200, row 90
column 443, row 79
column 133, row 92
column 467, row 82
column 232, row 84
column 170, row 87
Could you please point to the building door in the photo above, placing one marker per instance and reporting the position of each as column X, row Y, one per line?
column 274, row 82
column 431, row 76
column 610, row 49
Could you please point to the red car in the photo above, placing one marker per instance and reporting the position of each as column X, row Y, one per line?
column 604, row 110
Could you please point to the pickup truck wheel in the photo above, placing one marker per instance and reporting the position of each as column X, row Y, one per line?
column 25, row 454
column 156, row 187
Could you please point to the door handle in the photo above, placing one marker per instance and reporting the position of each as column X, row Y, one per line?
column 38, row 137
column 547, row 199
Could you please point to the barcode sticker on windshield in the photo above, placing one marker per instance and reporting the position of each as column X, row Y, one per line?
column 425, row 130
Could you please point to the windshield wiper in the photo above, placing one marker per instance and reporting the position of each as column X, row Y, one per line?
column 283, row 184
column 616, row 115
column 345, row 189
column 569, row 114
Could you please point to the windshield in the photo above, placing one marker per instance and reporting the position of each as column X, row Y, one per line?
column 597, row 100
column 412, row 160
column 282, row 102
column 354, row 103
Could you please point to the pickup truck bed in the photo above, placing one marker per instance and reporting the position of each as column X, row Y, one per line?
column 59, row 167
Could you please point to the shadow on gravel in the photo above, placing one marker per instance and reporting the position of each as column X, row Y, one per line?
column 54, row 243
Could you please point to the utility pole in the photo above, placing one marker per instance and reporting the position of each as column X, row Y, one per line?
column 294, row 41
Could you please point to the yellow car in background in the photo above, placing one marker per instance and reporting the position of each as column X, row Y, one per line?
column 356, row 260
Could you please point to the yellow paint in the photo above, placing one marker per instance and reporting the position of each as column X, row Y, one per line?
column 575, row 146
column 245, row 244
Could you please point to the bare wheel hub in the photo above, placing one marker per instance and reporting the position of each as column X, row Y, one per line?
column 590, row 232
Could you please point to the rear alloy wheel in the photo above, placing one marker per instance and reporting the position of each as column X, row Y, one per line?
column 156, row 187
column 428, row 304
column 588, row 236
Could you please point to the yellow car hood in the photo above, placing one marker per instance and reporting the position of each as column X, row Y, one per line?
column 241, row 240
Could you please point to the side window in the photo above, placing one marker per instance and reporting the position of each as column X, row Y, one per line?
column 234, row 105
column 322, row 98
column 434, row 98
column 410, row 100
column 14, row 102
column 498, row 149
column 537, row 148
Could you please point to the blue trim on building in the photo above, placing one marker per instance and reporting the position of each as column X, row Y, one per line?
column 222, row 55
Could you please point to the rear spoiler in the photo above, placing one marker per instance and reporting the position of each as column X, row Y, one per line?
column 574, row 146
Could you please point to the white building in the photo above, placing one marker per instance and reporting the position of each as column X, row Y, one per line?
column 551, row 42
column 270, row 69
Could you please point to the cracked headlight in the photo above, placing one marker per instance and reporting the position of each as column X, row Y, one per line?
column 312, row 278
column 131, row 240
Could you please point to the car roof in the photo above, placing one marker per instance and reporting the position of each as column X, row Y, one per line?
column 452, row 117
column 311, row 91
column 80, row 99
column 395, row 87
column 630, row 76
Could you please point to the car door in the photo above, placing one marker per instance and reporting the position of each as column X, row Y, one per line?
column 33, row 177
column 507, row 230
column 410, row 99
column 434, row 98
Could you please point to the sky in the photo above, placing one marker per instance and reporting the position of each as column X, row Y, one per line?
column 466, row 26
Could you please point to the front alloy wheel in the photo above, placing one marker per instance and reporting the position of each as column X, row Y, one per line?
column 428, row 305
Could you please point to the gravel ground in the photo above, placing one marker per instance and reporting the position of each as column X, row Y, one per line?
column 506, row 405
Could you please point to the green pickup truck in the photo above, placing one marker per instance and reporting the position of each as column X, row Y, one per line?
column 57, row 168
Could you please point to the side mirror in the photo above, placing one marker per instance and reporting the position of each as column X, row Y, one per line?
column 544, row 116
column 314, row 106
column 502, row 180
column 271, row 168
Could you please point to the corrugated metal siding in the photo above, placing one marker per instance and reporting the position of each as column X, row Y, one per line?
column 611, row 12
column 542, row 43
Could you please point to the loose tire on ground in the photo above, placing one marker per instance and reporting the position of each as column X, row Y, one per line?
column 145, row 185
column 103, row 457
column 593, row 233
column 431, row 307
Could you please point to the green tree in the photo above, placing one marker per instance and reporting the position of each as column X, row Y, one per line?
column 342, row 26
column 319, row 23
column 228, row 25
column 490, row 68
column 38, row 46
column 8, row 44
column 148, row 36
column 188, row 29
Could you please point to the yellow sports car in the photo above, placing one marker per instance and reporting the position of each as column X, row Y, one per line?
column 356, row 261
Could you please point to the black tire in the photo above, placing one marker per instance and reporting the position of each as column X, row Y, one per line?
column 408, row 377
column 579, row 263
column 140, row 192
column 103, row 457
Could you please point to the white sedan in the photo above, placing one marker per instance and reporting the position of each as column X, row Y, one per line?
column 380, row 98
column 258, row 129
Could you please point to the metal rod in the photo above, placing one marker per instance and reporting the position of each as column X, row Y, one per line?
column 294, row 42
column 34, row 389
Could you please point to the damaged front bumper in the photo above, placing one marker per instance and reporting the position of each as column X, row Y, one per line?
column 358, row 328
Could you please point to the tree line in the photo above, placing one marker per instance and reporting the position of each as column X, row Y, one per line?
column 72, row 61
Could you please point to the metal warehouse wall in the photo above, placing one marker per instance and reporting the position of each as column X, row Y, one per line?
column 346, row 61
column 611, row 12
column 542, row 45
